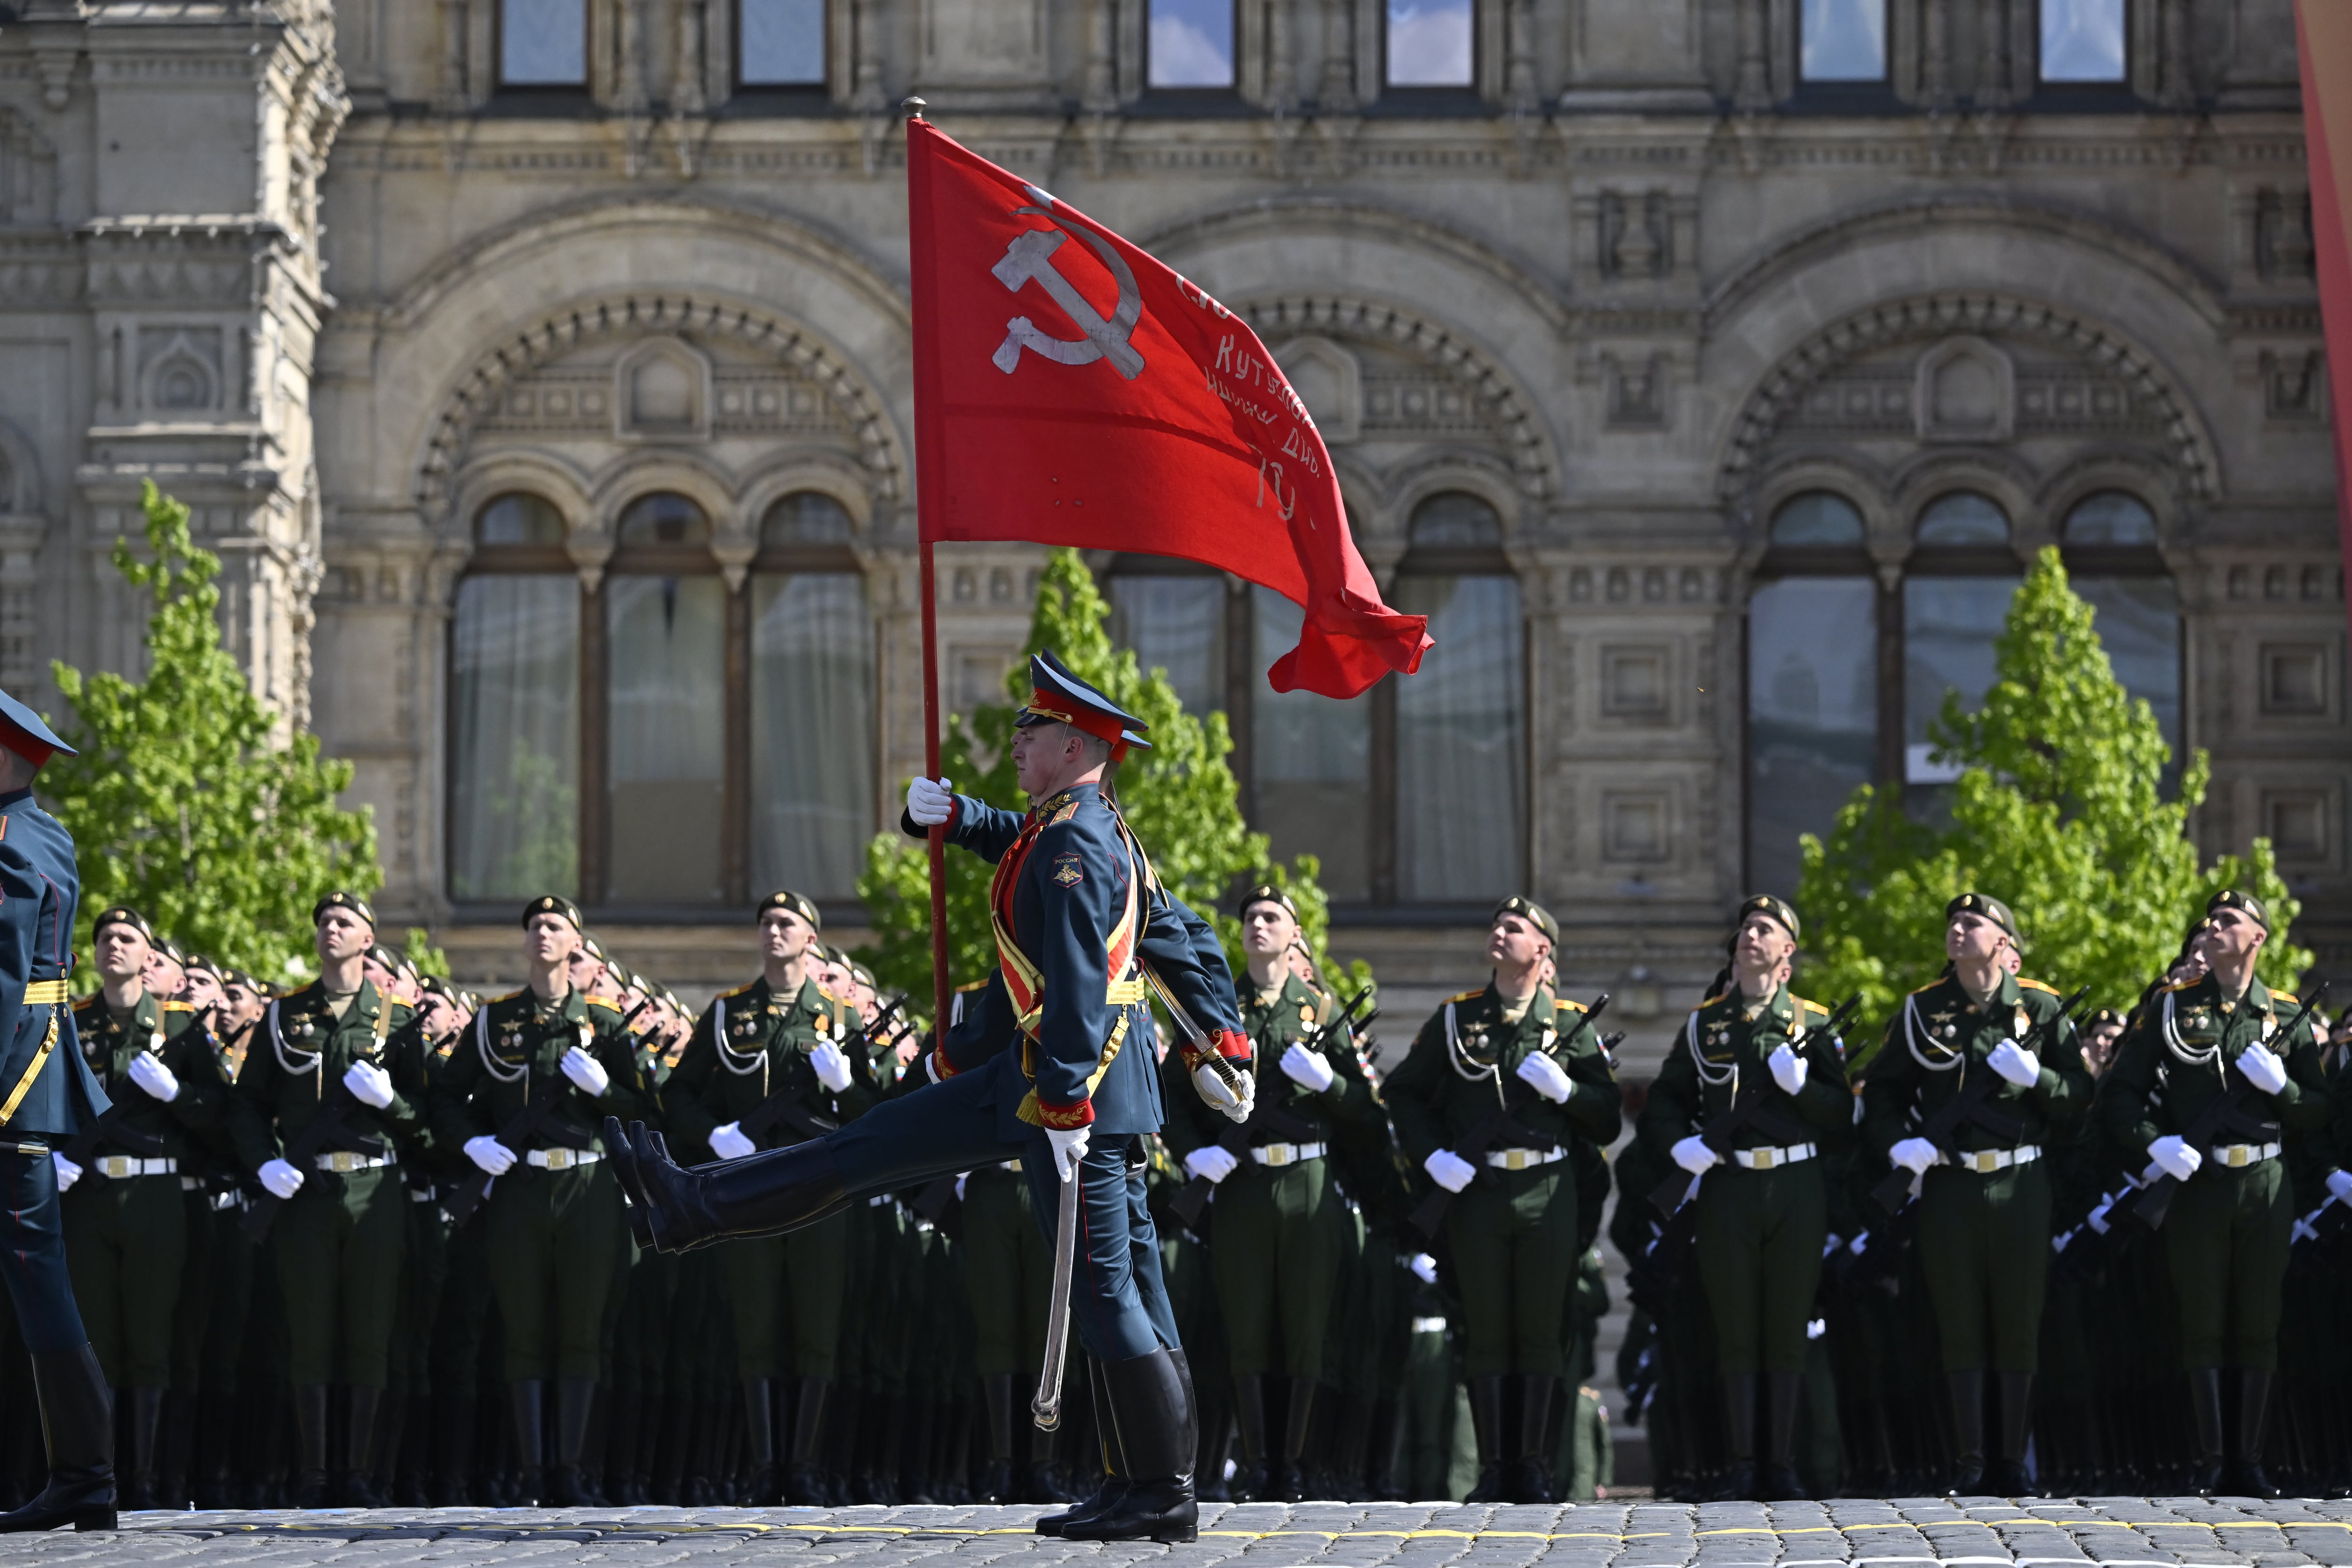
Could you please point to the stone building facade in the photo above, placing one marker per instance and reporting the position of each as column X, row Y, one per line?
column 1707, row 367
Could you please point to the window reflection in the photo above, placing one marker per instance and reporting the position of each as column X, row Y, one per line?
column 1310, row 762
column 1841, row 40
column 1429, row 42
column 1812, row 715
column 1189, row 43
column 780, row 43
column 518, row 520
column 1461, row 774
column 666, row 758
column 1950, row 625
column 542, row 43
column 1178, row 625
column 1962, row 520
column 663, row 518
column 514, row 692
column 2081, row 40
column 1816, row 519
column 2111, row 517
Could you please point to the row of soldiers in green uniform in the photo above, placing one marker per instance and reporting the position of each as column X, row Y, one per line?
column 2095, row 1205
column 358, row 1242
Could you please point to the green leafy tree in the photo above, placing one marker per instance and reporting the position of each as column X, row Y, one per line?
column 2060, row 812
column 1179, row 796
column 185, row 801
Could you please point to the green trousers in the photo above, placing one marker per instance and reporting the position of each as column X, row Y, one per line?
column 126, row 1242
column 338, row 1242
column 793, row 1285
column 424, row 1270
column 1514, row 1236
column 1274, row 1248
column 2226, row 1240
column 1984, row 1247
column 1008, row 1269
column 551, row 1236
column 1759, row 1248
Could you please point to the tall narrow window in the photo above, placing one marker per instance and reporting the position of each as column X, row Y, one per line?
column 1310, row 762
column 2081, row 40
column 1175, row 623
column 1429, row 42
column 542, row 43
column 514, row 678
column 1841, row 40
column 1954, row 603
column 780, row 43
column 2110, row 544
column 1189, row 44
column 664, row 624
column 812, row 703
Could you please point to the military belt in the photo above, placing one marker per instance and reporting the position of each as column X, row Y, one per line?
column 39, row 1150
column 1429, row 1325
column 1523, row 1159
column 1773, row 1159
column 223, row 1202
column 344, row 1161
column 2238, row 1156
column 422, row 1195
column 561, row 1159
column 1008, row 1165
column 123, row 1167
column 1985, row 1161
column 46, row 993
column 1287, row 1153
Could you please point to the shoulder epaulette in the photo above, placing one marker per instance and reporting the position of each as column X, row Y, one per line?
column 2184, row 984
column 1806, row 1005
column 510, row 996
column 190, row 1006
column 827, row 995
column 1069, row 810
column 1923, row 990
column 601, row 1002
column 2289, row 998
column 975, row 986
column 1471, row 995
column 87, row 1003
column 1714, row 999
column 1563, row 1004
column 2036, row 986
column 742, row 989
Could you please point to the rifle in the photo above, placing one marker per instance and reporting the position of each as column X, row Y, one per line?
column 526, row 1125
column 1670, row 1194
column 2154, row 1201
column 783, row 1105
column 1236, row 1138
column 109, row 1127
column 322, row 1129
column 1429, row 1216
column 1969, row 1105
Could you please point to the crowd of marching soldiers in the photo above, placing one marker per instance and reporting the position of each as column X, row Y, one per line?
column 357, row 1243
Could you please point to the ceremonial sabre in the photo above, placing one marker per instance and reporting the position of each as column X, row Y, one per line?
column 1046, row 1408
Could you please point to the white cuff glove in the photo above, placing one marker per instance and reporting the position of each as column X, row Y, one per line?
column 1544, row 1075
column 1424, row 1267
column 150, row 1074
column 369, row 1084
column 1914, row 1155
column 2097, row 1218
column 2176, row 1158
column 586, row 1073
column 1788, row 1069
column 929, row 802
column 1069, row 1148
column 282, row 1179
column 68, row 1172
column 1211, row 1163
column 1219, row 1096
column 2263, row 1067
column 2015, row 1063
column 490, row 1154
column 832, row 1066
column 1305, row 1068
column 1449, row 1170
column 729, row 1143
column 2339, row 1183
column 1692, row 1155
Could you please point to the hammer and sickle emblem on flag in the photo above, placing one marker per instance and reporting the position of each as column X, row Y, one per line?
column 1030, row 257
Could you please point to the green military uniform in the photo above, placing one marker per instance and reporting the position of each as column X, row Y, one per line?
column 1513, row 1229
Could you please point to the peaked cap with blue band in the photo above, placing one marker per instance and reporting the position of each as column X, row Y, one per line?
column 23, row 732
column 1060, row 697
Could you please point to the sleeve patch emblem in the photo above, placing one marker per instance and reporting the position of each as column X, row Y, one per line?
column 1065, row 869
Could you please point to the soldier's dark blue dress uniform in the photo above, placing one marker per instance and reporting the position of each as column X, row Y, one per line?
column 1064, row 1039
column 47, row 1092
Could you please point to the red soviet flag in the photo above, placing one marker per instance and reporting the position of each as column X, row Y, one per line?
column 1086, row 395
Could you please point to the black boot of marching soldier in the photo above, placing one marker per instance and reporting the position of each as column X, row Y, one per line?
column 1151, row 1400
column 762, row 1194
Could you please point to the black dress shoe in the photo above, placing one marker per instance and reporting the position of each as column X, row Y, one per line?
column 1779, row 1483
column 1738, row 1483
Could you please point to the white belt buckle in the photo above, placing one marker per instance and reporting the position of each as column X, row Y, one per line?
column 1279, row 1154
column 1763, row 1159
column 557, row 1158
column 1984, row 1162
column 116, row 1166
column 1514, row 1159
column 2235, row 1156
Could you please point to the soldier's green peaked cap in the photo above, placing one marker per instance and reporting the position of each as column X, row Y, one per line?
column 2245, row 903
column 1534, row 913
column 554, row 904
column 339, row 899
column 800, row 904
column 1986, row 905
column 1780, row 909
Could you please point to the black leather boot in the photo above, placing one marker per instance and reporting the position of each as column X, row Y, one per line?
column 1387, row 1443
column 759, row 1425
column 2205, row 1402
column 1778, row 1481
column 1150, row 1399
column 1114, row 1462
column 2006, row 1478
column 1967, row 1391
column 310, row 1446
column 1739, row 1432
column 1531, row 1479
column 1486, row 1426
column 996, row 1479
column 358, row 1488
column 1290, row 1475
column 803, row 1481
column 763, row 1194
column 568, row 1485
column 136, row 1487
column 78, row 1432
column 2247, row 1478
column 453, row 1485
column 1253, row 1479
column 529, row 1396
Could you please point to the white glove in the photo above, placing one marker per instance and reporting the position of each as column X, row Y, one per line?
column 2097, row 1218
column 68, row 1172
column 2263, row 1067
column 1788, row 1069
column 1449, row 1170
column 282, row 1179
column 960, row 1180
column 729, row 1144
column 148, row 1071
column 2176, row 1159
column 1305, row 1068
column 1212, row 1162
column 1424, row 1267
column 490, row 1154
column 1914, row 1155
column 1069, row 1148
column 586, row 1073
column 1219, row 1096
column 929, row 802
column 2015, row 1063
column 369, row 1084
column 1543, row 1075
column 1692, row 1155
column 832, row 1065
column 2339, row 1183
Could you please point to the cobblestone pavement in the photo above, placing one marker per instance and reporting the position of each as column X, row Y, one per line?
column 2107, row 1532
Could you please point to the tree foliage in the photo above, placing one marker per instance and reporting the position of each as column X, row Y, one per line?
column 2060, row 812
column 185, row 801
column 1180, row 797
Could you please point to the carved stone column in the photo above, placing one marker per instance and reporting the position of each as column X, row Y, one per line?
column 1336, row 95
column 1754, row 90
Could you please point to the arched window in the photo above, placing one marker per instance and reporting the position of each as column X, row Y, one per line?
column 1956, row 594
column 2110, row 518
column 519, row 519
column 660, row 520
column 1963, row 520
column 666, row 671
column 813, row 702
column 1817, row 519
column 2110, row 539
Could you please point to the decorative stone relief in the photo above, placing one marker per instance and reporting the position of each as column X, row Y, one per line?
column 1966, row 390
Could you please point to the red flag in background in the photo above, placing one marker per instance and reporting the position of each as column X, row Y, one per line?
column 2323, row 29
column 1069, row 389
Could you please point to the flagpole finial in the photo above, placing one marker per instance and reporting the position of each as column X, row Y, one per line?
column 914, row 107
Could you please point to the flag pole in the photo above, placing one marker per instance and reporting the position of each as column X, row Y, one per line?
column 927, row 486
